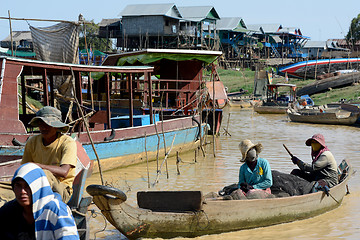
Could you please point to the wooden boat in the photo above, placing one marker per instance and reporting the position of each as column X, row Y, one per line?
column 173, row 214
column 342, row 114
column 324, row 85
column 240, row 103
column 178, row 79
column 112, row 131
column 313, row 68
column 276, row 103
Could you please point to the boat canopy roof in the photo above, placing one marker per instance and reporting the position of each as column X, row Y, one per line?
column 57, row 66
column 149, row 56
column 277, row 85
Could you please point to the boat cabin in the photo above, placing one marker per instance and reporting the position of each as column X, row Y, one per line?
column 57, row 84
column 178, row 75
column 281, row 93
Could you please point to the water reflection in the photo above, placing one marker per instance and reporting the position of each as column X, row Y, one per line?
column 211, row 173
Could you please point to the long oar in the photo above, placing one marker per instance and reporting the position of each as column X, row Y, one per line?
column 291, row 155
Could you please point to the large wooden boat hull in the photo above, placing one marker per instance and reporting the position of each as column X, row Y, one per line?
column 216, row 216
column 313, row 68
column 324, row 85
column 116, row 145
column 128, row 145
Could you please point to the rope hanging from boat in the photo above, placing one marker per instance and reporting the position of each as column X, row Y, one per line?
column 94, row 214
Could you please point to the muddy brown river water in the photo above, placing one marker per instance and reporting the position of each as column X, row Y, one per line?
column 211, row 173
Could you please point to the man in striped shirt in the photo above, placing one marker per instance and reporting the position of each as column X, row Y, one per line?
column 37, row 212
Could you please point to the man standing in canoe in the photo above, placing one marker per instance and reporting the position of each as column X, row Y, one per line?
column 323, row 168
column 53, row 151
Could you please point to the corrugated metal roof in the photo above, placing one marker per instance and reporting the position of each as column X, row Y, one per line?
column 19, row 35
column 228, row 23
column 315, row 44
column 166, row 9
column 198, row 12
column 266, row 28
column 109, row 21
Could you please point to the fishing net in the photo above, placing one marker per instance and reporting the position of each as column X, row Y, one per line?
column 289, row 184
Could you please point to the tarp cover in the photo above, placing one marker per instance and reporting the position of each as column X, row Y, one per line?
column 153, row 57
column 220, row 92
column 57, row 43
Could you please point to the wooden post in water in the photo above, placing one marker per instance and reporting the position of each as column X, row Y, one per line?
column 317, row 55
column 214, row 102
column 307, row 60
column 201, row 113
column 147, row 163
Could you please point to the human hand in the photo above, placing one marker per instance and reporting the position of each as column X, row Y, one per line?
column 295, row 160
column 245, row 187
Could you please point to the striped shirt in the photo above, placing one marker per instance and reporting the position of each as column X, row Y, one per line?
column 53, row 218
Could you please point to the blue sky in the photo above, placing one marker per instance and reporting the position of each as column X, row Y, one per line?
column 318, row 19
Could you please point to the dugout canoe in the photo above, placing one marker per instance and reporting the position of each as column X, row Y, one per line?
column 190, row 215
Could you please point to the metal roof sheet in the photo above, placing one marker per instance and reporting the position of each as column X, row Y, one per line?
column 19, row 35
column 108, row 21
column 315, row 44
column 166, row 9
column 266, row 28
column 198, row 12
column 228, row 23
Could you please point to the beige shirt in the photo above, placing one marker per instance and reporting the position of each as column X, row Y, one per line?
column 62, row 151
column 324, row 168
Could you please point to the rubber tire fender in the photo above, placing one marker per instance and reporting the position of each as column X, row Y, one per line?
column 95, row 190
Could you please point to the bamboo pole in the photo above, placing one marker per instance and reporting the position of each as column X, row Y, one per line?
column 214, row 115
column 87, row 127
column 147, row 163
column 317, row 55
column 11, row 35
column 201, row 113
column 165, row 159
column 44, row 20
column 162, row 129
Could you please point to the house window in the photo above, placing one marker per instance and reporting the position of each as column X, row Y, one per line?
column 167, row 23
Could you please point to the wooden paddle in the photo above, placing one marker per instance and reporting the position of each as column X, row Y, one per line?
column 291, row 155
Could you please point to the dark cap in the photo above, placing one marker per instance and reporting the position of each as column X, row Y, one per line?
column 51, row 116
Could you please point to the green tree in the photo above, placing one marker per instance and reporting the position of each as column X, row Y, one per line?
column 354, row 31
column 90, row 31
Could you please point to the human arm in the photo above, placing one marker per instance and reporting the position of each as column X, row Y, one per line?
column 58, row 171
column 241, row 175
column 265, row 176
column 319, row 164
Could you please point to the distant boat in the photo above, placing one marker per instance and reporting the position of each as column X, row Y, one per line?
column 276, row 102
column 324, row 85
column 319, row 67
column 343, row 114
